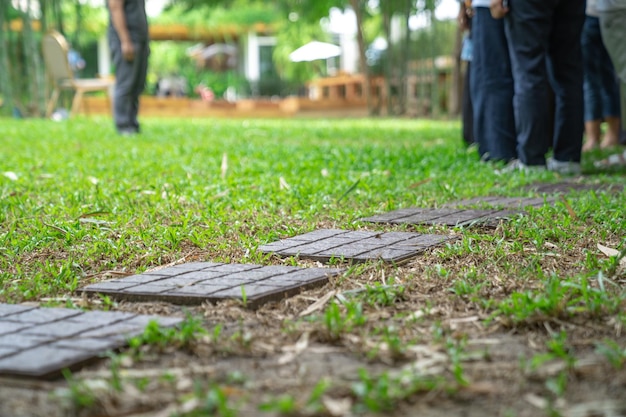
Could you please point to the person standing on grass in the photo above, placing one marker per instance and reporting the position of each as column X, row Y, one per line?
column 601, row 87
column 129, row 42
column 491, row 87
column 467, row 113
column 544, row 46
column 612, row 14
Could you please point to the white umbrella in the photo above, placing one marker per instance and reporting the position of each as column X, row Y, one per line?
column 315, row 50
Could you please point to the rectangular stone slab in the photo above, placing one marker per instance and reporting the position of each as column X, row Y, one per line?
column 566, row 187
column 216, row 282
column 444, row 216
column 503, row 202
column 40, row 342
column 357, row 246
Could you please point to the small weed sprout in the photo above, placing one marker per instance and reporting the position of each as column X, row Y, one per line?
column 284, row 404
column 614, row 353
column 215, row 403
column 160, row 337
column 288, row 405
column 336, row 323
column 455, row 349
column 383, row 392
column 244, row 297
column 81, row 396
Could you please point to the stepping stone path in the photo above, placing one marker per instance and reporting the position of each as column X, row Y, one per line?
column 567, row 187
column 514, row 203
column 41, row 342
column 197, row 282
column 499, row 208
column 357, row 246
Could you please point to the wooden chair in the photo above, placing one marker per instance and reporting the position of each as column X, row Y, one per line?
column 55, row 54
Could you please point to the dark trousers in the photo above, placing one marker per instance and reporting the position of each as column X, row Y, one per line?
column 491, row 88
column 467, row 112
column 600, row 86
column 130, row 81
column 544, row 44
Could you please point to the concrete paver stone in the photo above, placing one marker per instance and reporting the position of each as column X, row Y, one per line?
column 40, row 342
column 357, row 246
column 484, row 211
column 212, row 282
column 566, row 187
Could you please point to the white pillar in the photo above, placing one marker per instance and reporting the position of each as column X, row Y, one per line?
column 104, row 56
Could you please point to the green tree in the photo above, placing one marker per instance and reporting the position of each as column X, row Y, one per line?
column 6, row 92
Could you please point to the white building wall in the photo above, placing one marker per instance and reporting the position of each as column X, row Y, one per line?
column 343, row 24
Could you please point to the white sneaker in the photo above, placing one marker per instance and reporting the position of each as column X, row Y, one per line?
column 518, row 166
column 564, row 167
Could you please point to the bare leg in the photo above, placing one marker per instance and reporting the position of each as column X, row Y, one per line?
column 611, row 138
column 592, row 133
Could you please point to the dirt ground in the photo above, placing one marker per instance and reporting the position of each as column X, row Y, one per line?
column 439, row 355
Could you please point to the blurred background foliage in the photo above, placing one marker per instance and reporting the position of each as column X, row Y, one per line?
column 293, row 22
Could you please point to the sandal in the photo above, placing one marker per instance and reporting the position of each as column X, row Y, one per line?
column 615, row 160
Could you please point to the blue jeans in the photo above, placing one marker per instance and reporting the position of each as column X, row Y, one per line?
column 544, row 44
column 491, row 88
column 600, row 81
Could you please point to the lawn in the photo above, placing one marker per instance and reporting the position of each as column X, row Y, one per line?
column 522, row 320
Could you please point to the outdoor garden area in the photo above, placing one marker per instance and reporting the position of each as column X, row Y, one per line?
column 521, row 319
column 302, row 266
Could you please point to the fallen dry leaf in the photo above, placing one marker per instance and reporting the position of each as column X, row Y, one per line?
column 283, row 184
column 224, row 167
column 10, row 175
column 337, row 406
column 319, row 304
column 611, row 252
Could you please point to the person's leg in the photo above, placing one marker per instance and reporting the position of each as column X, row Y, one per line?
column 139, row 82
column 613, row 35
column 492, row 88
column 477, row 92
column 610, row 94
column 591, row 41
column 528, row 26
column 566, row 74
column 497, row 88
column 123, row 87
column 468, row 114
column 612, row 135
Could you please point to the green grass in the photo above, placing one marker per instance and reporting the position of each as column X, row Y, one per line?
column 77, row 202
column 87, row 201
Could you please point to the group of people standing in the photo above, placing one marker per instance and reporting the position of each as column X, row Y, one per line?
column 530, row 60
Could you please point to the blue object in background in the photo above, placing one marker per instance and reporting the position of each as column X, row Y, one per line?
column 466, row 48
